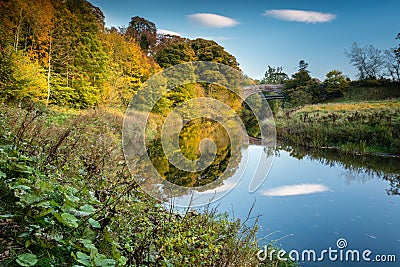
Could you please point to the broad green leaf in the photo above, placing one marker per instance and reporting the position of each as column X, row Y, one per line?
column 89, row 209
column 102, row 261
column 2, row 175
column 67, row 219
column 27, row 259
column 21, row 187
column 73, row 199
column 94, row 223
column 83, row 258
column 70, row 220
column 88, row 244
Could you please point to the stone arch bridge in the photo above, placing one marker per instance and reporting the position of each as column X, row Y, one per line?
column 275, row 89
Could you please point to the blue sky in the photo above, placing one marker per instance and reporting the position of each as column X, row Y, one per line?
column 272, row 32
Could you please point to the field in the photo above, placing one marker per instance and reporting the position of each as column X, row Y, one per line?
column 366, row 127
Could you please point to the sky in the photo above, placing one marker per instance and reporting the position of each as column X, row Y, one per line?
column 272, row 32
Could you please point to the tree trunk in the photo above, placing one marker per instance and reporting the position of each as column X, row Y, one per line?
column 48, row 75
column 16, row 37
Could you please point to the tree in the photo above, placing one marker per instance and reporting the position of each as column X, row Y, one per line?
column 208, row 50
column 274, row 76
column 143, row 31
column 302, row 88
column 392, row 61
column 174, row 51
column 368, row 60
column 335, row 83
column 128, row 68
column 303, row 66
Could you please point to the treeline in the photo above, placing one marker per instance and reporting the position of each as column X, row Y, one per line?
column 303, row 89
column 375, row 68
column 59, row 52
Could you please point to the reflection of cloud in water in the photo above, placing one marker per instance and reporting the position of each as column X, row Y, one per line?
column 294, row 190
column 228, row 185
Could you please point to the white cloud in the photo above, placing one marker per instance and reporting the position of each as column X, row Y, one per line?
column 167, row 32
column 215, row 38
column 300, row 15
column 295, row 190
column 212, row 20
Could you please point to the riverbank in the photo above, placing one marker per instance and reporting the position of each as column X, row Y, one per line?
column 68, row 198
column 366, row 127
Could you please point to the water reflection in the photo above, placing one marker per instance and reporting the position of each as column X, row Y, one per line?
column 295, row 190
column 358, row 168
column 216, row 152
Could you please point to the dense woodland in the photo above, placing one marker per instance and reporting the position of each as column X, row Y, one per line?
column 59, row 52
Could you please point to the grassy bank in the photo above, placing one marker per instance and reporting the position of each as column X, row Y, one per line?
column 67, row 199
column 350, row 127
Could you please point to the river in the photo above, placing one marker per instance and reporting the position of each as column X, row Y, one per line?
column 319, row 200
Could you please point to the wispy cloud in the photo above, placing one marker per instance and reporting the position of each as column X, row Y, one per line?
column 168, row 32
column 295, row 190
column 300, row 15
column 215, row 38
column 212, row 20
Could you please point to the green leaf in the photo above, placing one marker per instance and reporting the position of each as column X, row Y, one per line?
column 94, row 223
column 6, row 216
column 27, row 259
column 102, row 261
column 67, row 219
column 83, row 258
column 88, row 244
column 21, row 187
column 2, row 175
column 88, row 209
column 73, row 199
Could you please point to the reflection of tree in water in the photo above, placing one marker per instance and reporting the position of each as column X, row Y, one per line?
column 190, row 142
column 359, row 168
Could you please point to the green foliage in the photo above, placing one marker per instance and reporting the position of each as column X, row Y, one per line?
column 174, row 52
column 335, row 84
column 274, row 76
column 27, row 259
column 207, row 50
column 21, row 79
column 301, row 89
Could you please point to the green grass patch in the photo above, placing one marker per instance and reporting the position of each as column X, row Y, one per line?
column 356, row 128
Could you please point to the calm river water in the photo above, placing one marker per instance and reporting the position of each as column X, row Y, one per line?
column 310, row 200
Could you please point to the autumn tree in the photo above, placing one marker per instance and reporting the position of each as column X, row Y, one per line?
column 143, row 31
column 128, row 68
column 208, row 50
column 173, row 51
